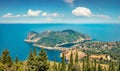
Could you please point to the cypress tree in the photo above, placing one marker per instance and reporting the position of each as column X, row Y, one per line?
column 95, row 63
column 80, row 68
column 76, row 66
column 58, row 66
column 88, row 64
column 16, row 60
column 42, row 61
column 55, row 65
column 83, row 65
column 70, row 65
column 71, row 59
column 99, row 67
column 92, row 66
column 35, row 52
column 110, row 65
column 76, row 58
column 0, row 58
column 113, row 66
column 63, row 63
column 69, row 69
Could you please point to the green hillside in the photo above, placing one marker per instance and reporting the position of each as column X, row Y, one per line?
column 58, row 37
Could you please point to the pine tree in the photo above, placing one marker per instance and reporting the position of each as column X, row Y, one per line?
column 43, row 64
column 9, row 61
column 63, row 63
column 30, row 61
column 76, row 58
column 4, row 57
column 16, row 63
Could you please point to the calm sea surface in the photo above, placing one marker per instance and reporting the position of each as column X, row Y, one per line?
column 12, row 36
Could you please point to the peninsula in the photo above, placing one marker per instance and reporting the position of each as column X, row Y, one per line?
column 55, row 39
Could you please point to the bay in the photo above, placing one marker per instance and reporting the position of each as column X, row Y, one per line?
column 12, row 36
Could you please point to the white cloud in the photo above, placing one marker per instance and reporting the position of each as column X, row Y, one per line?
column 9, row 15
column 57, row 15
column 33, row 13
column 29, row 13
column 86, row 12
column 81, row 11
column 102, row 16
column 45, row 14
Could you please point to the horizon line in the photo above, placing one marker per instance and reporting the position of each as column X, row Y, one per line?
column 59, row 23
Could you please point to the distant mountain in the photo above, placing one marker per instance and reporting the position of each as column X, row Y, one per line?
column 55, row 38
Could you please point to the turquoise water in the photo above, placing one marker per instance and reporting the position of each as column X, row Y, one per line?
column 12, row 36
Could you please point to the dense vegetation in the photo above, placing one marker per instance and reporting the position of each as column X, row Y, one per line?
column 39, row 62
column 51, row 38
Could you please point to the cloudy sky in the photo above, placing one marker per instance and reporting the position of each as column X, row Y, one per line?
column 60, row 11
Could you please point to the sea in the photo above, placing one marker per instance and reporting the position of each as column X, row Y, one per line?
column 12, row 36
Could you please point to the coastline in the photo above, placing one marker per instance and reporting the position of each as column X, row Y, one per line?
column 28, row 40
column 56, row 47
column 51, row 48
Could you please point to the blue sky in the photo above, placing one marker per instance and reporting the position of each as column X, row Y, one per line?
column 60, row 11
